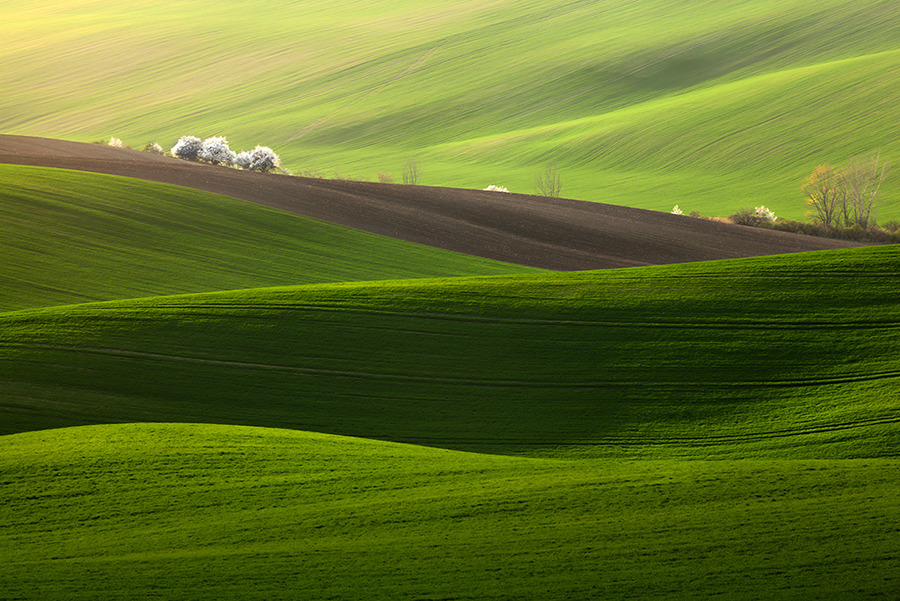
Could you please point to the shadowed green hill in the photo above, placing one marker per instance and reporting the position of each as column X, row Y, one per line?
column 710, row 105
column 72, row 237
column 783, row 356
column 222, row 512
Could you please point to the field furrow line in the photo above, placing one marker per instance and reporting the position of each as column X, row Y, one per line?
column 718, row 324
column 641, row 440
column 461, row 381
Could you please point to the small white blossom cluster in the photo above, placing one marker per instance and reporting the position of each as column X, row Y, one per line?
column 676, row 210
column 765, row 214
column 215, row 150
column 115, row 142
column 493, row 188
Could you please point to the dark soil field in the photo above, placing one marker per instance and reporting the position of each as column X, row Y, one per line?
column 558, row 234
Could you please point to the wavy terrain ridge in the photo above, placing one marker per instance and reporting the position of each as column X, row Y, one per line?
column 718, row 429
column 73, row 237
column 558, row 234
column 645, row 361
column 722, row 430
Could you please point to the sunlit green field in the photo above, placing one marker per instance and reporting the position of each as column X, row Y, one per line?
column 193, row 512
column 71, row 237
column 709, row 105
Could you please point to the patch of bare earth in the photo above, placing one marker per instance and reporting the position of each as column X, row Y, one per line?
column 558, row 234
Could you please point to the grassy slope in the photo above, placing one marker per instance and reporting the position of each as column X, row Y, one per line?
column 224, row 512
column 711, row 105
column 74, row 237
column 755, row 357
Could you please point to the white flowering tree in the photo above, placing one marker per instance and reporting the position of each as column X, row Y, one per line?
column 263, row 158
column 187, row 148
column 493, row 188
column 243, row 159
column 216, row 151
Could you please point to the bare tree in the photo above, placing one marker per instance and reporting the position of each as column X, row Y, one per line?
column 862, row 180
column 411, row 172
column 824, row 190
column 846, row 197
column 548, row 182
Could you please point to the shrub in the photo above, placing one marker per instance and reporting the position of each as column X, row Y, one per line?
column 216, row 151
column 765, row 215
column 891, row 226
column 745, row 217
column 115, row 142
column 802, row 227
column 493, row 188
column 154, row 148
column 187, row 148
column 676, row 210
column 757, row 217
column 385, row 178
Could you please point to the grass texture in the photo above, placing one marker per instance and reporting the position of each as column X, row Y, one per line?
column 183, row 511
column 709, row 430
column 709, row 105
column 764, row 357
column 71, row 237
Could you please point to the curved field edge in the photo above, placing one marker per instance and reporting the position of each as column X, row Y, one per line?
column 248, row 513
column 787, row 356
column 74, row 237
column 558, row 234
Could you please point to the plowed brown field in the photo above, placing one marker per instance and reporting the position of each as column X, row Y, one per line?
column 556, row 234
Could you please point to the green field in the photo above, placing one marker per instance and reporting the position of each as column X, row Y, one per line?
column 71, row 237
column 710, row 105
column 222, row 512
column 773, row 357
column 706, row 430
column 202, row 398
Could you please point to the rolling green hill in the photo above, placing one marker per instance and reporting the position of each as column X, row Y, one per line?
column 71, row 237
column 709, row 105
column 774, row 356
column 245, row 417
column 193, row 512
